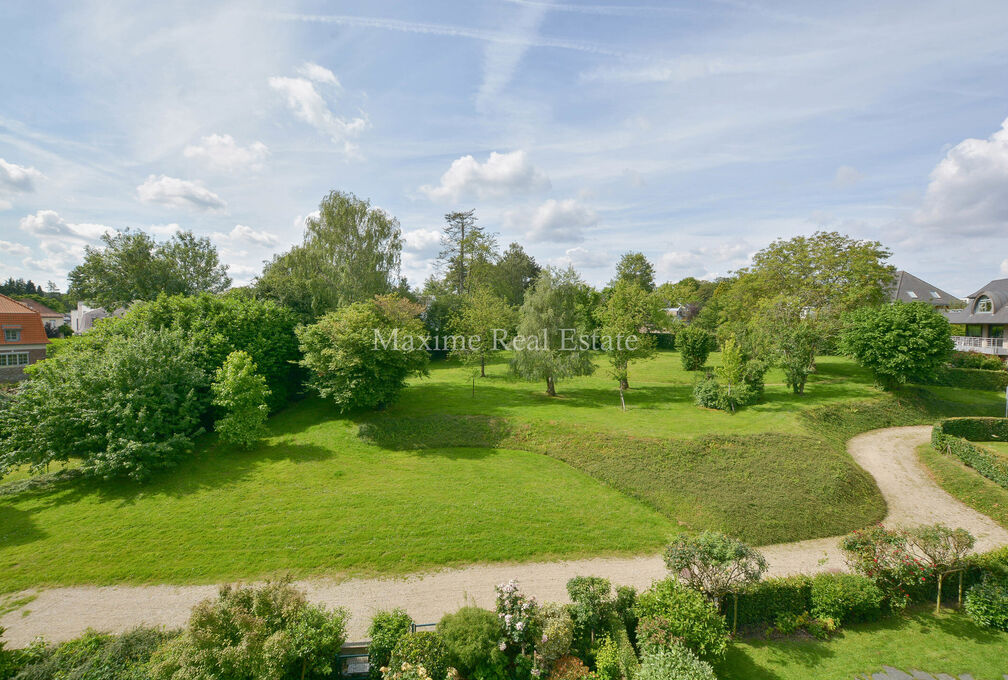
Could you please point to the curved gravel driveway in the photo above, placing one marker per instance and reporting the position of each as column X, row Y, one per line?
column 888, row 454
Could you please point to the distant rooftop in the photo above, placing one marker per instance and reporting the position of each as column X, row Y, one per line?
column 909, row 288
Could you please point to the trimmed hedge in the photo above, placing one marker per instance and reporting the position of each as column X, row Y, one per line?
column 976, row 360
column 955, row 436
column 763, row 602
column 972, row 378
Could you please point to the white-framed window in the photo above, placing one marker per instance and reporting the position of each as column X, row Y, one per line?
column 13, row 358
column 984, row 305
column 12, row 334
column 912, row 295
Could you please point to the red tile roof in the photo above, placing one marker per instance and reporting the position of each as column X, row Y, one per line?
column 46, row 312
column 13, row 314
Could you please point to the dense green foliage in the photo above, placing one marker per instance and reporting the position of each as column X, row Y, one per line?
column 670, row 611
column 674, row 662
column 132, row 266
column 955, row 436
column 694, row 345
column 385, row 630
column 845, row 598
column 971, row 378
column 628, row 309
column 268, row 632
column 635, row 269
column 764, row 602
column 93, row 656
column 360, row 355
column 472, row 635
column 241, row 394
column 351, row 252
column 900, row 342
column 481, row 320
column 976, row 360
column 423, row 648
column 986, row 603
column 126, row 407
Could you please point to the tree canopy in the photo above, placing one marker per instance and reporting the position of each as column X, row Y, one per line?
column 634, row 267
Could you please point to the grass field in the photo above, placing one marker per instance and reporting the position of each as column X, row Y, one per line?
column 947, row 643
column 445, row 478
column 966, row 484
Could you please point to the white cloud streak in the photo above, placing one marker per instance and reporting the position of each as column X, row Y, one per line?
column 179, row 193
column 503, row 174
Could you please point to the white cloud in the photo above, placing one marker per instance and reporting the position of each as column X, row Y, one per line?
column 48, row 223
column 967, row 192
column 14, row 249
column 221, row 151
column 62, row 243
column 503, row 174
column 245, row 235
column 421, row 240
column 1004, row 267
column 179, row 193
column 555, row 221
column 320, row 74
column 582, row 258
column 846, row 176
column 16, row 179
column 309, row 106
column 704, row 262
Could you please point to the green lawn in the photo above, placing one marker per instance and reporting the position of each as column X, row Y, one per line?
column 948, row 643
column 446, row 478
column 999, row 449
column 966, row 484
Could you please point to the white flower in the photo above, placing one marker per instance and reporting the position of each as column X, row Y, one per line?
column 503, row 646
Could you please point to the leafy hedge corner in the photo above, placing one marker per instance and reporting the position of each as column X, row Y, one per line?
column 972, row 378
column 955, row 436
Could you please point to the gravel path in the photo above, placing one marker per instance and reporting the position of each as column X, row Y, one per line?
column 889, row 455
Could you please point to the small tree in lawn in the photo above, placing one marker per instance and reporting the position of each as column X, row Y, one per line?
column 627, row 311
column 789, row 338
column 732, row 373
column 361, row 355
column 550, row 321
column 694, row 345
column 942, row 550
column 241, row 393
column 481, row 314
column 714, row 563
column 899, row 342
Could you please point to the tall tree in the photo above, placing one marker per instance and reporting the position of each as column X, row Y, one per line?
column 465, row 248
column 482, row 314
column 552, row 314
column 193, row 265
column 350, row 253
column 787, row 336
column 517, row 270
column 636, row 268
column 624, row 316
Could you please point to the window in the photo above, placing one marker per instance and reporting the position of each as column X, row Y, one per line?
column 974, row 330
column 12, row 334
column 995, row 331
column 913, row 295
column 14, row 359
column 935, row 295
column 984, row 305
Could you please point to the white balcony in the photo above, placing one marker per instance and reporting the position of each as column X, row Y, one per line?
column 981, row 345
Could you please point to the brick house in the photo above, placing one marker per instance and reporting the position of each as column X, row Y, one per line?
column 51, row 319
column 22, row 338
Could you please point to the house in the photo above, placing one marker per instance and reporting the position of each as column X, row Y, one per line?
column 908, row 288
column 83, row 318
column 984, row 319
column 51, row 319
column 23, row 340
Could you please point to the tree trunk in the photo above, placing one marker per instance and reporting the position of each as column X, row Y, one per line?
column 483, row 366
column 621, row 400
column 938, row 599
column 624, row 384
column 550, row 388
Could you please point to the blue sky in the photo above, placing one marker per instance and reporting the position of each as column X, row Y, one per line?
column 695, row 132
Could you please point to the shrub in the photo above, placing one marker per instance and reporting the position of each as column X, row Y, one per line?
column 569, row 668
column 591, row 606
column 241, row 393
column 268, row 632
column 694, row 345
column 557, row 633
column 977, row 360
column 845, row 598
column 987, row 603
column 127, row 406
column 788, row 624
column 714, row 563
column 93, row 656
column 360, row 356
column 423, row 648
column 884, row 556
column 764, row 602
column 517, row 613
column 954, row 436
column 972, row 378
column 607, row 660
column 670, row 611
column 674, row 662
column 385, row 630
column 623, row 605
column 471, row 636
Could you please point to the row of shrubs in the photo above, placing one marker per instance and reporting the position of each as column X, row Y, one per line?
column 971, row 378
column 677, row 629
column 955, row 436
column 986, row 362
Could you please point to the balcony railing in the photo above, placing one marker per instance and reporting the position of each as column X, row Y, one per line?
column 982, row 345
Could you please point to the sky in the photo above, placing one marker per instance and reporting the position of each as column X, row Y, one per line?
column 696, row 132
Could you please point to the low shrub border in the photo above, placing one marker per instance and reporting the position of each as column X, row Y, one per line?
column 955, row 436
column 972, row 378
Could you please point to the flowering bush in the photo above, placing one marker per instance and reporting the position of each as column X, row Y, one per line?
column 557, row 634
column 385, row 631
column 884, row 555
column 517, row 613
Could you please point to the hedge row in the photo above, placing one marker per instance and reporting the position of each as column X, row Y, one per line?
column 972, row 378
column 955, row 436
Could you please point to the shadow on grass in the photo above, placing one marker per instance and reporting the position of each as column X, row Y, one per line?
column 17, row 527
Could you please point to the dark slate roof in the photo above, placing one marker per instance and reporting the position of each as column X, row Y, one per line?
column 909, row 288
column 997, row 291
